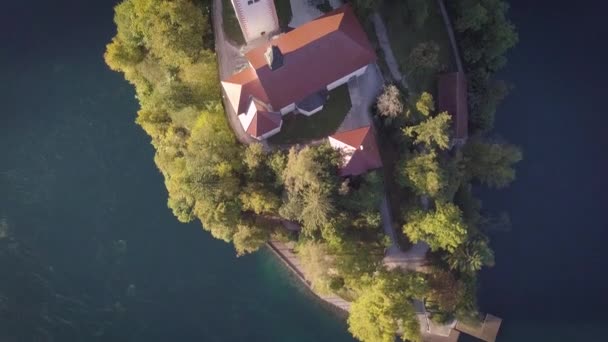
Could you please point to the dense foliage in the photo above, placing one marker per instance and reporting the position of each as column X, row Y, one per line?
column 246, row 195
column 485, row 35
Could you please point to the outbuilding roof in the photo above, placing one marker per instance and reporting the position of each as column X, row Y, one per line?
column 452, row 97
column 259, row 119
column 359, row 150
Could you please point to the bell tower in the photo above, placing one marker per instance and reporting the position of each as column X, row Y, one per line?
column 257, row 18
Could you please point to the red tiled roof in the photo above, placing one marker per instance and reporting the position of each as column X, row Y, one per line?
column 264, row 122
column 365, row 157
column 452, row 97
column 246, row 85
column 314, row 55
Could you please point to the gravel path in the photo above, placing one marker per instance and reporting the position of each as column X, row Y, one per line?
column 229, row 60
column 385, row 44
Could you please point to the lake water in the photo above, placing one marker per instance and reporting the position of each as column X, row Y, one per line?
column 77, row 178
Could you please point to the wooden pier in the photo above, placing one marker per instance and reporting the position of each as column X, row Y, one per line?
column 486, row 331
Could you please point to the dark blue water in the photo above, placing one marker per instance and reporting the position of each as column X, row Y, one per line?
column 550, row 281
column 77, row 176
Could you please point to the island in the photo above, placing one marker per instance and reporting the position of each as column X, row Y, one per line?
column 350, row 138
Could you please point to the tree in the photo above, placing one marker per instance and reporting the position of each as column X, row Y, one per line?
column 442, row 228
column 419, row 12
column 248, row 238
column 310, row 179
column 434, row 131
column 425, row 104
column 444, row 293
column 472, row 17
column 423, row 174
column 317, row 264
column 491, row 163
column 254, row 156
column 386, row 308
column 423, row 60
column 471, row 256
column 389, row 102
column 257, row 198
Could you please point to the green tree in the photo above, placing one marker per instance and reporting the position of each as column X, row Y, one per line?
column 444, row 293
column 418, row 12
column 471, row 256
column 491, row 163
column 425, row 104
column 317, row 265
column 248, row 238
column 442, row 228
column 386, row 308
column 257, row 198
column 422, row 62
column 423, row 174
column 254, row 156
column 434, row 131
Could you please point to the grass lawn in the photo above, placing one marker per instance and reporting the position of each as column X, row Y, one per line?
column 283, row 12
column 301, row 128
column 404, row 37
column 232, row 29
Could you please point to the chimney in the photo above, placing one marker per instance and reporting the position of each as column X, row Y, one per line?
column 274, row 57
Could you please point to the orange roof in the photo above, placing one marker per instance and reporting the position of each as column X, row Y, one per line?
column 314, row 55
column 241, row 86
column 264, row 122
column 365, row 155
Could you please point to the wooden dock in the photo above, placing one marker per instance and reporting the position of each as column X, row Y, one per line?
column 486, row 331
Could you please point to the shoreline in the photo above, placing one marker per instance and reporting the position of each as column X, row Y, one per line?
column 284, row 253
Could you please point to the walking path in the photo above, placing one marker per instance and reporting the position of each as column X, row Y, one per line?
column 450, row 29
column 414, row 259
column 229, row 60
column 363, row 91
column 385, row 44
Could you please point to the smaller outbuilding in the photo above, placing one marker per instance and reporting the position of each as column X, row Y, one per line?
column 359, row 151
column 452, row 97
column 260, row 121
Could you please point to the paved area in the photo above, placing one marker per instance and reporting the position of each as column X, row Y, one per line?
column 385, row 45
column 363, row 91
column 450, row 29
column 414, row 259
column 302, row 12
column 229, row 60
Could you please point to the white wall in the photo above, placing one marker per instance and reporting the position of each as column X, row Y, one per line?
column 271, row 133
column 311, row 112
column 345, row 79
column 255, row 18
column 338, row 145
column 288, row 109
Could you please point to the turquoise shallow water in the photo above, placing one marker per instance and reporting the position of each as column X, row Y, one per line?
column 77, row 176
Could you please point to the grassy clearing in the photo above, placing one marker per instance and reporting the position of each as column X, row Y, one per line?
column 232, row 29
column 283, row 12
column 404, row 37
column 301, row 128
